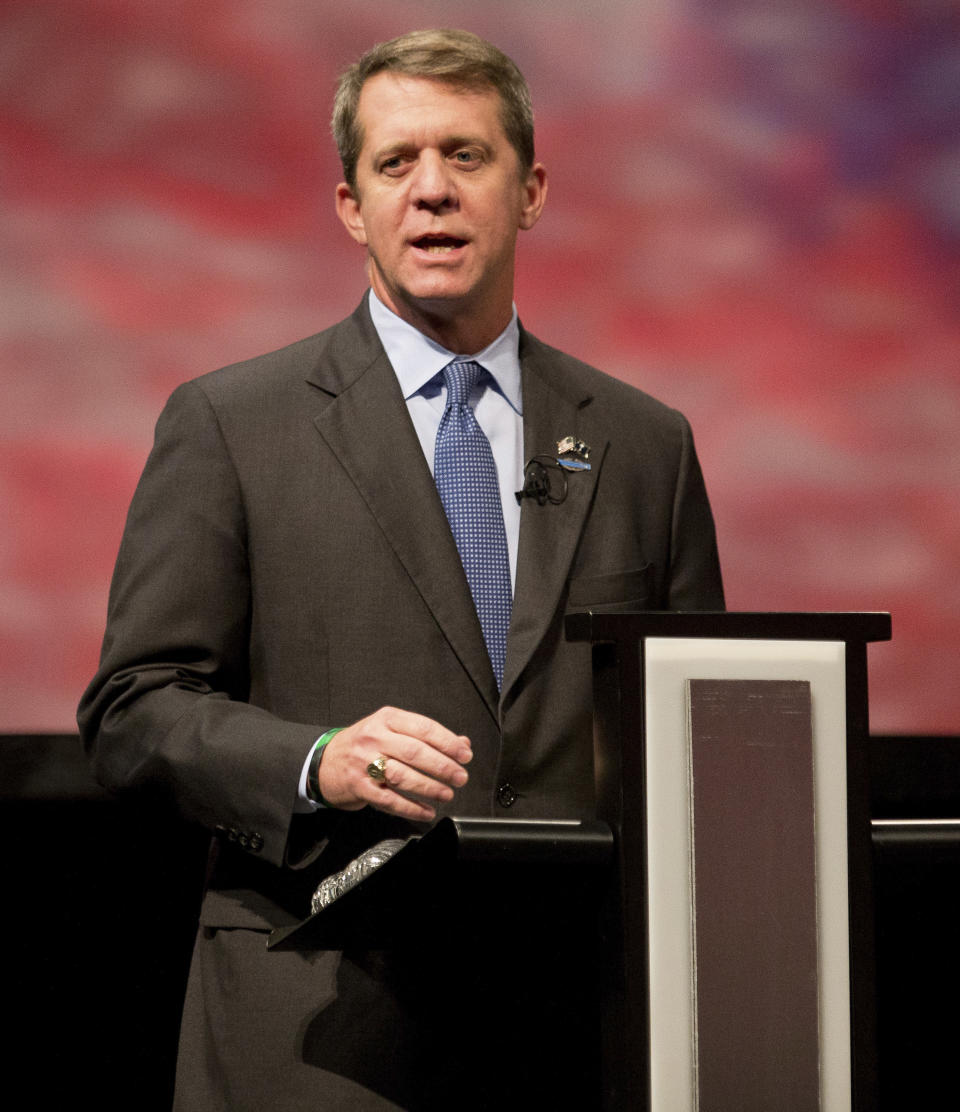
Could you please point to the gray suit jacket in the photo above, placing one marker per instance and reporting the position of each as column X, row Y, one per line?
column 287, row 567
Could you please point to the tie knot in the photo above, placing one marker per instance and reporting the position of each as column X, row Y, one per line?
column 460, row 379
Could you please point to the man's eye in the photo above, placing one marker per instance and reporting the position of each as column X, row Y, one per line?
column 465, row 157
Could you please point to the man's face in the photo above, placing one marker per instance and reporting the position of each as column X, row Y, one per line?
column 440, row 197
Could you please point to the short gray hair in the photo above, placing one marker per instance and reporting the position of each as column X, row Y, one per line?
column 460, row 59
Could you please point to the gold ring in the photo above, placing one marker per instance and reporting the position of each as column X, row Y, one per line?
column 377, row 770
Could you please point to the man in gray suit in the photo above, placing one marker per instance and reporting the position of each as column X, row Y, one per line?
column 294, row 653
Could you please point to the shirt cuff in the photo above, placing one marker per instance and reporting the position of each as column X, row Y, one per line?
column 306, row 801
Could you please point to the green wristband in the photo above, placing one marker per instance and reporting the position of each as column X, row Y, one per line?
column 313, row 772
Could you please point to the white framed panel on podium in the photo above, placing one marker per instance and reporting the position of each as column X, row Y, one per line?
column 731, row 764
column 688, row 1034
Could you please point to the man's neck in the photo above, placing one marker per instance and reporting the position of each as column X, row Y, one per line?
column 459, row 331
column 416, row 358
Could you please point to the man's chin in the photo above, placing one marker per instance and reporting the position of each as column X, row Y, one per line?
column 431, row 299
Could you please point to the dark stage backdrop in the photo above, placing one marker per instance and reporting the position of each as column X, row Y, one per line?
column 754, row 215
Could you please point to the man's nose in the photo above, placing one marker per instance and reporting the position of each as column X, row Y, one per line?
column 433, row 185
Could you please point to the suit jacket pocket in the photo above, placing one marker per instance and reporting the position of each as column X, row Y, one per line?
column 620, row 590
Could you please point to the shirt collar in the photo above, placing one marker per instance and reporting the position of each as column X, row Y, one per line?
column 416, row 359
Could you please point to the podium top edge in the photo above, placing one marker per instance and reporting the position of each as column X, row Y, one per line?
column 594, row 625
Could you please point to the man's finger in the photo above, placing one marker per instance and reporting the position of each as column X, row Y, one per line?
column 427, row 730
column 425, row 760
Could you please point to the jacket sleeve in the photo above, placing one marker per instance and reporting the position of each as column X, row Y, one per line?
column 694, row 577
column 168, row 707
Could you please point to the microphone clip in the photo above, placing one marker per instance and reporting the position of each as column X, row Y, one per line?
column 544, row 480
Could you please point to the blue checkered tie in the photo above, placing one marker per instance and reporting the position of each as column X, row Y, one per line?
column 466, row 477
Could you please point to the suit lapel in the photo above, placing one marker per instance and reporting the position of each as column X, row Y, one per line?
column 549, row 533
column 367, row 426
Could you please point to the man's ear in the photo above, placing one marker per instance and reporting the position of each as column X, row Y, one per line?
column 348, row 209
column 534, row 196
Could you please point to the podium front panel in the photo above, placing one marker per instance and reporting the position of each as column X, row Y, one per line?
column 811, row 1014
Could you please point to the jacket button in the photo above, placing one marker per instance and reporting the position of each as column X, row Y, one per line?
column 233, row 834
column 243, row 840
column 506, row 796
column 256, row 842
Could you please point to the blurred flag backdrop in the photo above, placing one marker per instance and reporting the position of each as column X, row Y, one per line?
column 754, row 215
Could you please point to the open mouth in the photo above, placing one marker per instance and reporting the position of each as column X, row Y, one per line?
column 438, row 245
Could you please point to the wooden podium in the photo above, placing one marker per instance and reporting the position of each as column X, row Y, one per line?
column 499, row 918
column 732, row 767
column 714, row 922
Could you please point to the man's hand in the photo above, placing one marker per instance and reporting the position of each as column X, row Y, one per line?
column 423, row 759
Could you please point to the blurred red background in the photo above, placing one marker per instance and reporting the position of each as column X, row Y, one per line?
column 754, row 215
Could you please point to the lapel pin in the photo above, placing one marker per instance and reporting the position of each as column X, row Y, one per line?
column 573, row 453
